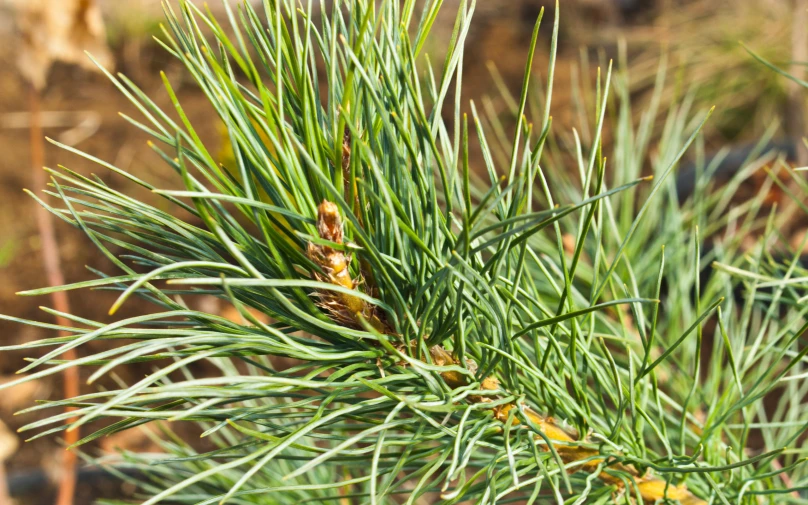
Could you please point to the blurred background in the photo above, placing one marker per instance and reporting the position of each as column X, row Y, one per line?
column 76, row 106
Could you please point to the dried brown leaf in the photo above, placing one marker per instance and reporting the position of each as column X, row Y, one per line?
column 8, row 442
column 59, row 31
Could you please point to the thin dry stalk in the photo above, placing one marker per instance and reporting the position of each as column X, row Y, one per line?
column 53, row 273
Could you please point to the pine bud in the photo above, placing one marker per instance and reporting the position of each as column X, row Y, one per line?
column 344, row 308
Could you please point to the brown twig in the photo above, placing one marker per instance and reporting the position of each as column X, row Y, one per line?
column 53, row 273
column 651, row 488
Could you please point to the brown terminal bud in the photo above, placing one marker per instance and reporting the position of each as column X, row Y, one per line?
column 329, row 223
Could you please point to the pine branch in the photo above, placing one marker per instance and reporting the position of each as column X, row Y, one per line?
column 494, row 335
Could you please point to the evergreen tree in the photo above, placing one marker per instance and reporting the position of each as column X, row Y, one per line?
column 550, row 324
